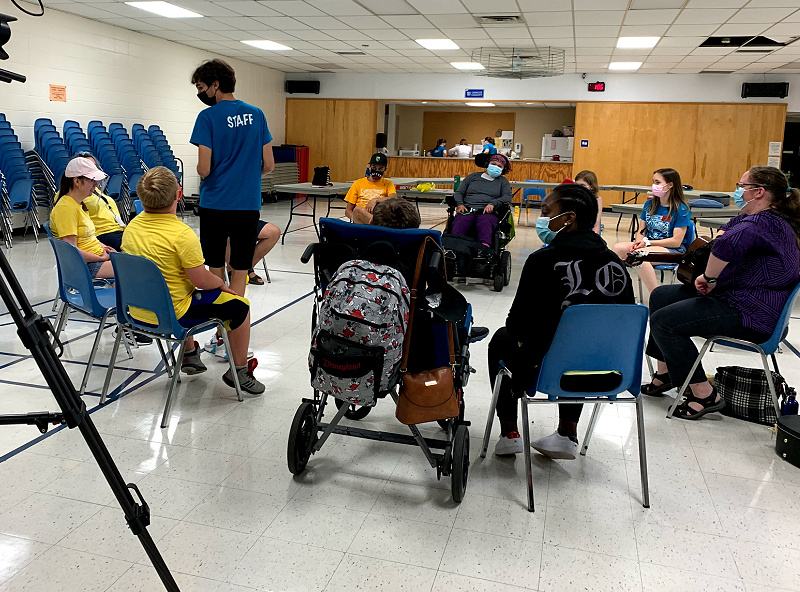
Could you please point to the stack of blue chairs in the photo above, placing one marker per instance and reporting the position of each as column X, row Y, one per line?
column 75, row 139
column 16, row 183
column 164, row 151
column 119, row 177
column 145, row 146
column 128, row 156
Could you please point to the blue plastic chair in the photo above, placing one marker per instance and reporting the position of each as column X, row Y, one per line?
column 527, row 194
column 140, row 284
column 78, row 292
column 137, row 205
column 691, row 232
column 768, row 348
column 589, row 338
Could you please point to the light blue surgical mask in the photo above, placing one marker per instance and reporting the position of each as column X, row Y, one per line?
column 738, row 198
column 494, row 171
column 543, row 228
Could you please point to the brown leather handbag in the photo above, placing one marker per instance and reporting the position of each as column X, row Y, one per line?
column 429, row 395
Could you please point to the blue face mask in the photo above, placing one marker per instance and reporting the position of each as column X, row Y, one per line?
column 494, row 171
column 738, row 198
column 543, row 228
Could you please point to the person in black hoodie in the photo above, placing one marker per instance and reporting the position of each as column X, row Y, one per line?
column 576, row 267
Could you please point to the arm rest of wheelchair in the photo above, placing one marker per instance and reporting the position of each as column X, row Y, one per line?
column 306, row 256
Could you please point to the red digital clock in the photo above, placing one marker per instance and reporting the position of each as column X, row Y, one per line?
column 597, row 87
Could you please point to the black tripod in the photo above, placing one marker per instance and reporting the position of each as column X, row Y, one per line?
column 36, row 333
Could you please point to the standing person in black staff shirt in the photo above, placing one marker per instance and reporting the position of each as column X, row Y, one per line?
column 575, row 268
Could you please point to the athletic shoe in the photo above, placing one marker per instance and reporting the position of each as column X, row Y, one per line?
column 192, row 364
column 557, row 446
column 509, row 444
column 140, row 339
column 216, row 346
column 247, row 381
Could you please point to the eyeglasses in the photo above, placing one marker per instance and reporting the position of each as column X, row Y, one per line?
column 744, row 185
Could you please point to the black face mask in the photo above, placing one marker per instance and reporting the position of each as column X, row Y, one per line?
column 210, row 101
column 375, row 174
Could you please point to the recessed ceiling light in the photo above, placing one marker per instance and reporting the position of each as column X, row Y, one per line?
column 529, row 103
column 268, row 45
column 624, row 65
column 637, row 42
column 480, row 104
column 467, row 65
column 165, row 9
column 437, row 43
column 424, row 102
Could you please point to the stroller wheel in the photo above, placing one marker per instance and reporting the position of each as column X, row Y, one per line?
column 499, row 281
column 460, row 472
column 303, row 432
column 355, row 412
column 505, row 265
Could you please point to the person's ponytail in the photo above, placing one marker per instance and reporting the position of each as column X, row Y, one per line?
column 785, row 199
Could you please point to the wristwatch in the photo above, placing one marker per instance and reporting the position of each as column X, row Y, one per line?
column 646, row 241
column 710, row 280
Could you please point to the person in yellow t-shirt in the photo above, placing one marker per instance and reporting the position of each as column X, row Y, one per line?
column 368, row 191
column 70, row 221
column 197, row 294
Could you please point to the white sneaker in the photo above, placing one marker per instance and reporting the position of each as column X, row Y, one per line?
column 556, row 446
column 216, row 346
column 509, row 444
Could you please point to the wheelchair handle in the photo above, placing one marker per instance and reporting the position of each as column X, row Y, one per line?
column 436, row 260
column 306, row 256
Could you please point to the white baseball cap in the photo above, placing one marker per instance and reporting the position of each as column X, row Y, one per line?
column 84, row 167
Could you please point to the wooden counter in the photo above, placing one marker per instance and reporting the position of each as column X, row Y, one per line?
column 401, row 166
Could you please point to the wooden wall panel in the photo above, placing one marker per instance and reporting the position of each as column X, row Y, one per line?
column 454, row 125
column 339, row 133
column 709, row 144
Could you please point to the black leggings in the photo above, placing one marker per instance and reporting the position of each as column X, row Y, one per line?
column 677, row 314
column 503, row 348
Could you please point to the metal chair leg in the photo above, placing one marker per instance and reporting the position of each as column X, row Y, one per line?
column 685, row 384
column 775, row 363
column 111, row 364
column 163, row 353
column 503, row 372
column 590, row 429
column 526, row 444
column 56, row 300
column 175, row 378
column 62, row 321
column 266, row 271
column 771, row 384
column 232, row 365
column 93, row 353
column 642, row 452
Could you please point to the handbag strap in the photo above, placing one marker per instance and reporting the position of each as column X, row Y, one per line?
column 412, row 314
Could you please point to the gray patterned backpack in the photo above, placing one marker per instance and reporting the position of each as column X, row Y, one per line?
column 358, row 340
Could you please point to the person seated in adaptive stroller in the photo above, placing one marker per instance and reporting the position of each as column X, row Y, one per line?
column 479, row 195
column 396, row 212
column 575, row 268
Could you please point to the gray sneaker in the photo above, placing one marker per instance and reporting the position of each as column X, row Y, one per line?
column 192, row 364
column 247, row 381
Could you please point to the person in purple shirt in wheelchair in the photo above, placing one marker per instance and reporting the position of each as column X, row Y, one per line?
column 753, row 267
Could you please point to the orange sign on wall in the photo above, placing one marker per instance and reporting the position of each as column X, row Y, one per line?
column 58, row 93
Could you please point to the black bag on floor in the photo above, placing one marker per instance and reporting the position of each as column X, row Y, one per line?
column 746, row 393
column 787, row 444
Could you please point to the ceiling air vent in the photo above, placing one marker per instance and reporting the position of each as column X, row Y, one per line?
column 504, row 19
column 716, row 72
column 350, row 53
column 327, row 66
column 744, row 42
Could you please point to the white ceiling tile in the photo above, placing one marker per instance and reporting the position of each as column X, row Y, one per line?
column 408, row 21
column 700, row 59
column 453, row 21
column 241, row 35
column 551, row 32
column 469, row 44
column 685, row 70
column 323, row 22
column 793, row 18
column 587, row 51
column 117, row 8
column 669, row 51
column 341, row 8
column 174, row 24
column 593, row 59
column 366, row 22
column 292, row 7
column 383, row 7
column 549, row 19
column 508, row 32
column 349, row 35
column 704, row 16
column 650, row 17
column 386, row 34
column 742, row 30
column 792, row 29
column 762, row 15
column 771, row 3
column 712, row 51
column 249, row 8
column 691, row 30
column 663, row 59
column 461, row 34
column 312, row 35
column 599, row 17
column 400, row 45
column 280, row 22
column 595, row 42
column 643, row 30
column 427, row 7
column 605, row 31
column 89, row 11
column 716, row 3
column 334, row 45
column 654, row 68
column 423, row 33
column 540, row 5
column 281, row 36
column 656, row 4
column 600, row 4
column 128, row 23
column 495, row 7
column 776, row 57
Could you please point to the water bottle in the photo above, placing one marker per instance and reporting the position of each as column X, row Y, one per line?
column 456, row 182
column 790, row 406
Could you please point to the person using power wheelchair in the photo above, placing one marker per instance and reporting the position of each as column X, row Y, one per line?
column 479, row 224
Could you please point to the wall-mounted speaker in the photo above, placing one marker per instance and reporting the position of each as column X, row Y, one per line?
column 778, row 90
column 380, row 140
column 310, row 87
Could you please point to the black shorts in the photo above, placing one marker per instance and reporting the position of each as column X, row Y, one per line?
column 215, row 304
column 240, row 226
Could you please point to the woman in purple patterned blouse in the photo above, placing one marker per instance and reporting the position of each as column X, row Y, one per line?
column 753, row 268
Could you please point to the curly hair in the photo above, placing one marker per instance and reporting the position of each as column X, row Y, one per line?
column 216, row 70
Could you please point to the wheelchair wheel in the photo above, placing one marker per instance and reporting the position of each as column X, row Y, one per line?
column 304, row 429
column 355, row 412
column 499, row 281
column 505, row 266
column 460, row 471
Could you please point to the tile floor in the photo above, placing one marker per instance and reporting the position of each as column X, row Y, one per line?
column 229, row 517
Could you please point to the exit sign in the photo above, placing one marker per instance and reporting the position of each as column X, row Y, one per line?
column 473, row 93
column 597, row 87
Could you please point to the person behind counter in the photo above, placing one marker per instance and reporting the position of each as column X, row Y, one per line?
column 461, row 150
column 488, row 146
column 440, row 150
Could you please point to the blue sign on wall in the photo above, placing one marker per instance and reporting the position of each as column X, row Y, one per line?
column 584, row 143
column 473, row 93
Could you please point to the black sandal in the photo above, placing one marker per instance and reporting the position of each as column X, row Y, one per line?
column 653, row 390
column 254, row 278
column 709, row 405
